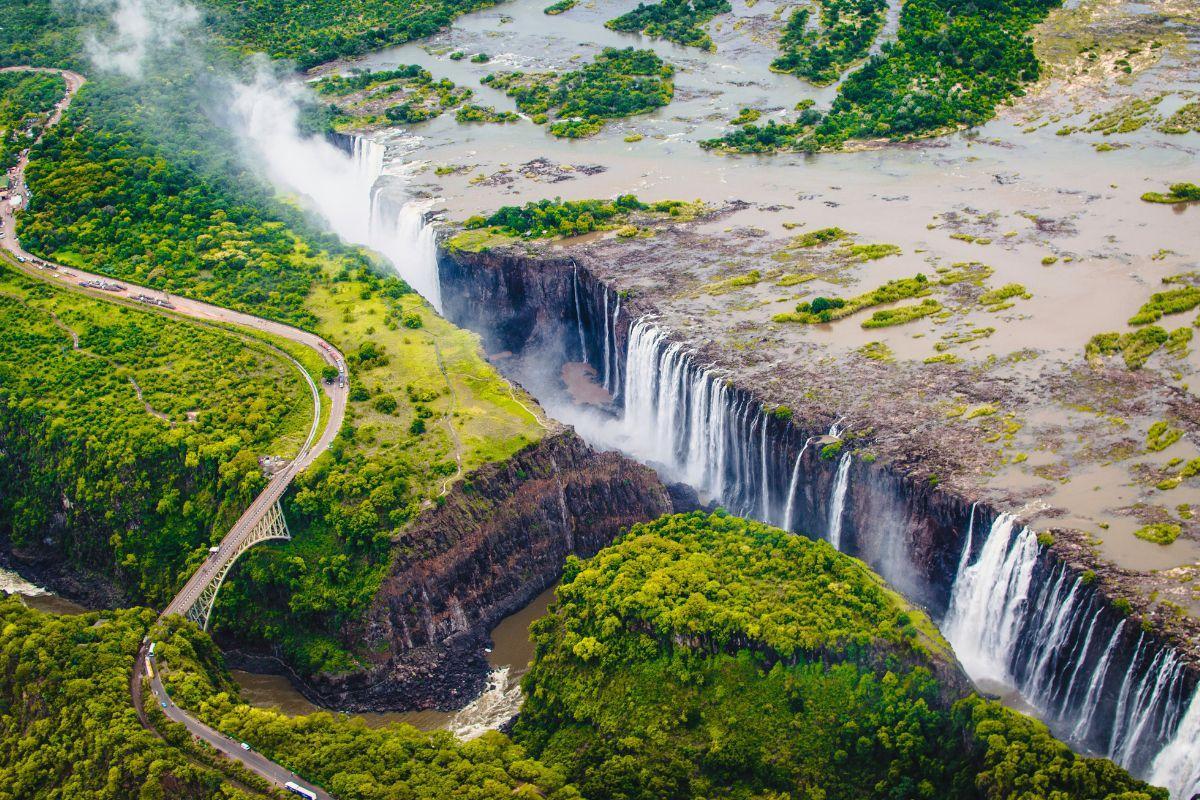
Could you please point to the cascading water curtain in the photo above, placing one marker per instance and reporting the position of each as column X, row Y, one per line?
column 1043, row 631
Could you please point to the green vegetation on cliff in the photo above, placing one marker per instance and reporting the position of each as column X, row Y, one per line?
column 159, row 198
column 172, row 211
column 619, row 83
column 349, row 759
column 709, row 656
column 131, row 440
column 67, row 726
column 549, row 218
column 677, row 21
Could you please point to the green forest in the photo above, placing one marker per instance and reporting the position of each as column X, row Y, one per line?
column 311, row 32
column 345, row 756
column 67, row 726
column 952, row 63
column 710, row 656
column 131, row 440
column 619, row 83
column 25, row 100
column 846, row 30
column 676, row 21
column 162, row 200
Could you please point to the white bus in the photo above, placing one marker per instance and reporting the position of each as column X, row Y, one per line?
column 296, row 788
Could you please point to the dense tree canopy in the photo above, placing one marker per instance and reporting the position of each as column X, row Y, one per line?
column 67, row 726
column 131, row 440
column 674, row 20
column 26, row 98
column 708, row 656
column 351, row 760
column 952, row 63
column 844, row 34
column 619, row 83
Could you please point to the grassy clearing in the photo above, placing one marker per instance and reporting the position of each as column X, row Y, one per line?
column 469, row 401
column 1161, row 436
column 1185, row 120
column 734, row 283
column 1000, row 298
column 1173, row 301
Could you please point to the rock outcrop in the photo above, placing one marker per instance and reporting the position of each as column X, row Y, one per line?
column 499, row 540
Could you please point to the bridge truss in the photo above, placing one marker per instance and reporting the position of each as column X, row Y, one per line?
column 271, row 525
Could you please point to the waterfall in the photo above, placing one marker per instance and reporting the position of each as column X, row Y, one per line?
column 367, row 155
column 688, row 421
column 1026, row 624
column 412, row 248
column 986, row 602
column 793, row 485
column 1177, row 766
column 607, row 340
column 1016, row 617
column 342, row 187
column 837, row 501
column 583, row 356
column 766, row 475
column 614, row 383
column 1084, row 726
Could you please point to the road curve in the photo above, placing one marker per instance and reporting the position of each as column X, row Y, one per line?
column 127, row 293
column 228, row 747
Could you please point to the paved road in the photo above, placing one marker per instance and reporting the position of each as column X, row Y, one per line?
column 231, row 748
column 313, row 447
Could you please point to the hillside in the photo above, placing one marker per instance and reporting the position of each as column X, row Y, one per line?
column 710, row 656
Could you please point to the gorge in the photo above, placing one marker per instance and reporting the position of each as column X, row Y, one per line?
column 1048, row 631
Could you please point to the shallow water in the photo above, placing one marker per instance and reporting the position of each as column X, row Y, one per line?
column 36, row 596
column 509, row 658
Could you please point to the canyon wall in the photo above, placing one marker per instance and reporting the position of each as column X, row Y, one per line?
column 1026, row 613
column 499, row 540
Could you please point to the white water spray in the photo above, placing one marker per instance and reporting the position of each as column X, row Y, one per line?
column 985, row 602
column 342, row 188
column 499, row 702
column 837, row 502
column 1177, row 766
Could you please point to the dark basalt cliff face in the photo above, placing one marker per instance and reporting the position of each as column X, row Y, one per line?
column 907, row 530
column 500, row 539
column 1092, row 667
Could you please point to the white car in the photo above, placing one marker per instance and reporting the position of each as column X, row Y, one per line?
column 245, row 746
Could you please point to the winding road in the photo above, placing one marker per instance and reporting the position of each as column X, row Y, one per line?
column 318, row 440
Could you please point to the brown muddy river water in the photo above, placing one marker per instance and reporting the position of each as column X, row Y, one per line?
column 509, row 658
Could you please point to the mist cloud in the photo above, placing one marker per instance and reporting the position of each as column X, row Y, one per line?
column 136, row 29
